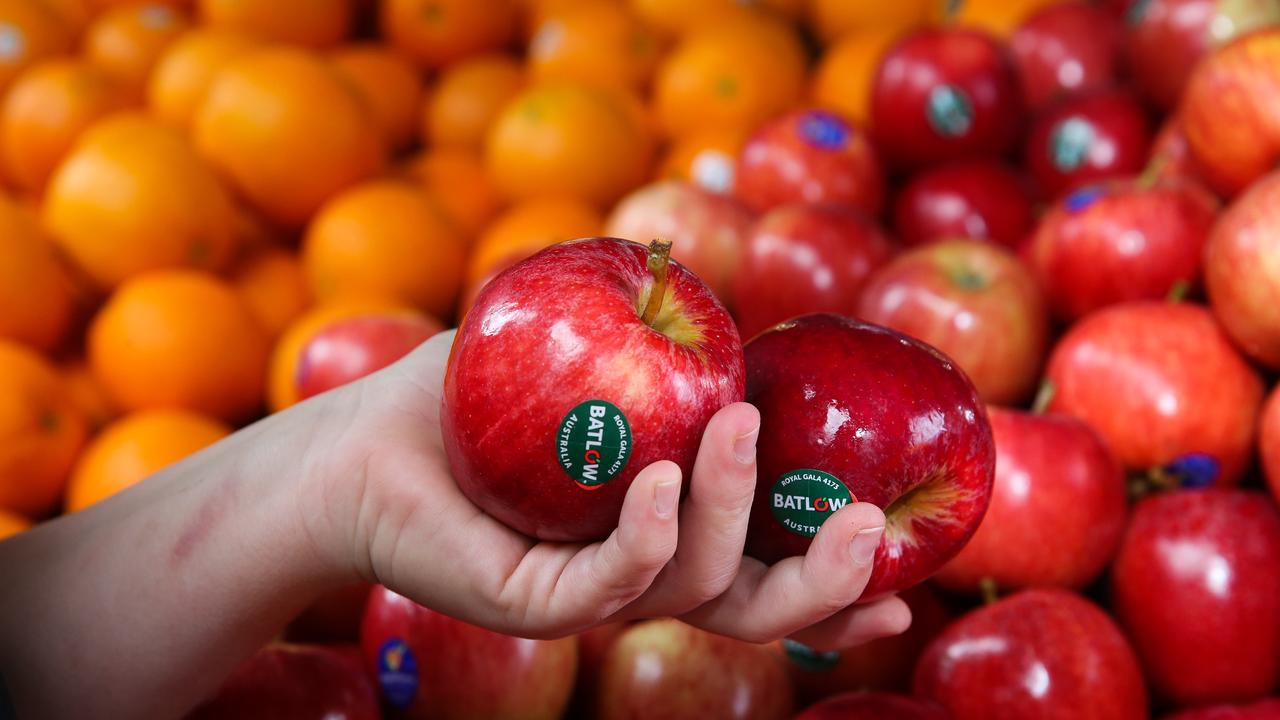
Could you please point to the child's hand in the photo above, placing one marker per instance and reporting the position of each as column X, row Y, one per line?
column 393, row 513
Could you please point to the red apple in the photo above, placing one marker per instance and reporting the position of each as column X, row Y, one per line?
column 873, row 706
column 978, row 199
column 1123, row 241
column 1197, row 586
column 1058, row 507
column 1170, row 156
column 335, row 617
column 1163, row 386
column 1268, row 709
column 1228, row 112
column 1269, row 442
column 593, row 648
column 975, row 302
column 1242, row 271
column 431, row 666
column 856, row 412
column 883, row 664
column 1043, row 654
column 809, row 156
column 666, row 670
column 707, row 230
column 1066, row 49
column 295, row 682
column 1086, row 138
column 567, row 378
column 805, row 258
column 945, row 94
column 1166, row 38
column 351, row 348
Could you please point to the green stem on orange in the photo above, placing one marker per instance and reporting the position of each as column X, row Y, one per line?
column 1043, row 397
column 659, row 259
column 990, row 590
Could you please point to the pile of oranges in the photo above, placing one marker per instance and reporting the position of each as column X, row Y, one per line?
column 192, row 188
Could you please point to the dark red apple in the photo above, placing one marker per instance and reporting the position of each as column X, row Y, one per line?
column 1197, row 586
column 975, row 302
column 349, row 349
column 873, row 706
column 707, row 230
column 805, row 258
column 945, row 94
column 1086, row 138
column 1269, row 442
column 809, row 156
column 593, row 647
column 1119, row 242
column 295, row 682
column 429, row 666
column 667, row 670
column 1058, row 507
column 574, row 370
column 335, row 617
column 884, row 664
column 1066, row 49
column 854, row 412
column 1242, row 271
column 1043, row 654
column 1268, row 709
column 979, row 199
column 1163, row 386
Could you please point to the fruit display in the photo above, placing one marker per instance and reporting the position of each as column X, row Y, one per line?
column 1008, row 270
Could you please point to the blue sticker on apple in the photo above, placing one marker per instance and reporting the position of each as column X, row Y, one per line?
column 1082, row 198
column 824, row 130
column 397, row 673
column 1194, row 470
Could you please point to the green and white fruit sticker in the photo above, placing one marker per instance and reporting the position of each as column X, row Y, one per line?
column 594, row 443
column 809, row 659
column 949, row 111
column 803, row 499
column 1069, row 143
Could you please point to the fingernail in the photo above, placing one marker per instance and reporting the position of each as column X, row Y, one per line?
column 665, row 497
column 862, row 548
column 744, row 447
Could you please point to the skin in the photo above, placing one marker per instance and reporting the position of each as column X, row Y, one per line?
column 353, row 485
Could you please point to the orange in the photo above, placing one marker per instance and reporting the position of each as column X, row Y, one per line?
column 707, row 158
column 272, row 284
column 98, row 6
column 570, row 140
column 312, row 23
column 44, row 112
column 281, row 389
column 88, row 395
column 601, row 44
column 180, row 339
column 136, row 447
column 11, row 524
column 529, row 227
column 437, row 32
column 288, row 131
column 535, row 12
column 845, row 74
column 467, row 100
column 40, row 432
column 186, row 70
column 998, row 17
column 385, row 239
column 252, row 231
column 389, row 85
column 833, row 19
column 458, row 182
column 733, row 74
column 74, row 14
column 35, row 292
column 29, row 31
column 682, row 16
column 127, row 41
column 133, row 196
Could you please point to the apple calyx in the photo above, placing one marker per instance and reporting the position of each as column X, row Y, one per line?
column 658, row 261
column 1178, row 292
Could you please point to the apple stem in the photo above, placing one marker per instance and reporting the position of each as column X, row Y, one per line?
column 1151, row 173
column 1043, row 397
column 659, row 259
column 990, row 590
column 1178, row 292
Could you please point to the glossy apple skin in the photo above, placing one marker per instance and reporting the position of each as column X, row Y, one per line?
column 1120, row 242
column 1159, row 381
column 1196, row 584
column 978, row 199
column 335, row 617
column 667, row 670
column 349, row 349
column 1262, row 710
column 1058, row 508
column 886, row 415
column 975, row 302
column 915, row 76
column 464, row 671
column 1087, row 138
column 1269, row 442
column 1064, row 50
column 884, row 664
column 1242, row 271
column 802, row 259
column 873, row 706
column 555, row 331
column 295, row 682
column 810, row 156
column 707, row 230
